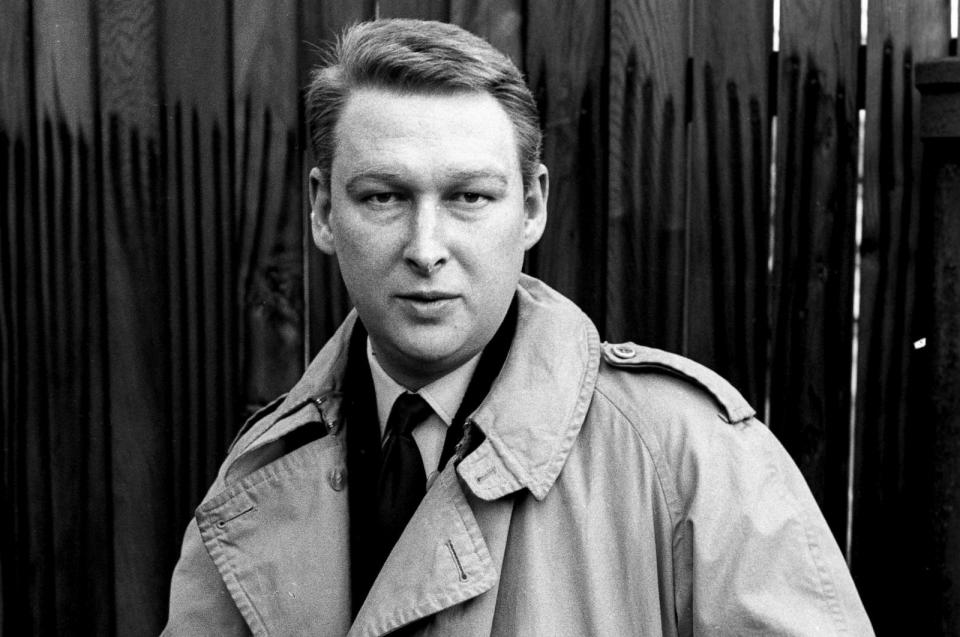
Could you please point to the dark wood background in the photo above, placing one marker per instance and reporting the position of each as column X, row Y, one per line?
column 158, row 281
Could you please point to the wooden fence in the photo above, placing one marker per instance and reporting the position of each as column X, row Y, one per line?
column 158, row 280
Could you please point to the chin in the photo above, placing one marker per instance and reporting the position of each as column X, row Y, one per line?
column 429, row 350
column 433, row 356
column 433, row 353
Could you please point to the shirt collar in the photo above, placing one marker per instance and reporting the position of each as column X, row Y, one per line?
column 444, row 395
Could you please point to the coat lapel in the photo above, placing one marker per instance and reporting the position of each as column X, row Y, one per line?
column 278, row 537
column 442, row 560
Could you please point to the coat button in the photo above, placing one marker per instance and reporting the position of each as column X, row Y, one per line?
column 335, row 478
column 623, row 352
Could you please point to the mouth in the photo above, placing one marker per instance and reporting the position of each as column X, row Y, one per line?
column 427, row 296
column 428, row 305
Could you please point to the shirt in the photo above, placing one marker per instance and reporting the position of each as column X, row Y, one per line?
column 444, row 396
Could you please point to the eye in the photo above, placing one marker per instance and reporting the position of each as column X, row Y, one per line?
column 471, row 198
column 382, row 198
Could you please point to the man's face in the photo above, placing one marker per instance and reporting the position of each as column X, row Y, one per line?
column 427, row 214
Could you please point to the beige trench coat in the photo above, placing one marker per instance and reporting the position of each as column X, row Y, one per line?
column 620, row 490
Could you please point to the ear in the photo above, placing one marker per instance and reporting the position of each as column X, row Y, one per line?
column 320, row 210
column 535, row 207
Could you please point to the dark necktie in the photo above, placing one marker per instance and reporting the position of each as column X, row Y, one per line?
column 402, row 481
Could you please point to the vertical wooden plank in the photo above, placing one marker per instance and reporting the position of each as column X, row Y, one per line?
column 28, row 609
column 814, row 237
column 729, row 209
column 890, row 457
column 647, row 171
column 14, row 109
column 83, row 586
column 269, row 195
column 327, row 300
column 940, row 560
column 201, row 282
column 499, row 22
column 565, row 65
column 420, row 9
column 127, row 56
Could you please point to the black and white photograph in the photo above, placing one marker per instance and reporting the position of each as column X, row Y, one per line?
column 469, row 318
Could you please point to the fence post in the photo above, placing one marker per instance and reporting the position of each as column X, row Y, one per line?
column 939, row 85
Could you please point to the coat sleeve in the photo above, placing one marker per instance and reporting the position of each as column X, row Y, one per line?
column 199, row 601
column 754, row 554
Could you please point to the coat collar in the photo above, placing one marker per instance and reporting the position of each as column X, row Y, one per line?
column 536, row 406
column 530, row 417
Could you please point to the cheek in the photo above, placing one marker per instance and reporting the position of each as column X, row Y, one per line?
column 496, row 263
column 502, row 248
column 357, row 257
column 356, row 242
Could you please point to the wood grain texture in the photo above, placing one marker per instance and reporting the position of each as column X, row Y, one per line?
column 814, row 237
column 24, row 492
column 565, row 51
column 500, row 22
column 127, row 47
column 646, row 180
column 129, row 116
column 891, row 456
column 327, row 302
column 16, row 123
column 16, row 67
column 420, row 9
column 16, row 126
column 71, row 284
column 269, row 196
column 157, row 275
column 729, row 201
column 201, row 296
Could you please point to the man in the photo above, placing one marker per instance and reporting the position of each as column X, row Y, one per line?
column 464, row 457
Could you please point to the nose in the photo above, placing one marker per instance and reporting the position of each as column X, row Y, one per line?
column 426, row 251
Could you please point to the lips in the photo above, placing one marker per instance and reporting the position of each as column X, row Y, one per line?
column 428, row 305
column 428, row 296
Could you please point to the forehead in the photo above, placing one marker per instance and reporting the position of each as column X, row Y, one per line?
column 460, row 129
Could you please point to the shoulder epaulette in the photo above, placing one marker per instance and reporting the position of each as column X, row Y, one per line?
column 640, row 358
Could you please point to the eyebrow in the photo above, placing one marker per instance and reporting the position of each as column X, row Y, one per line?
column 461, row 176
column 372, row 175
column 458, row 176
